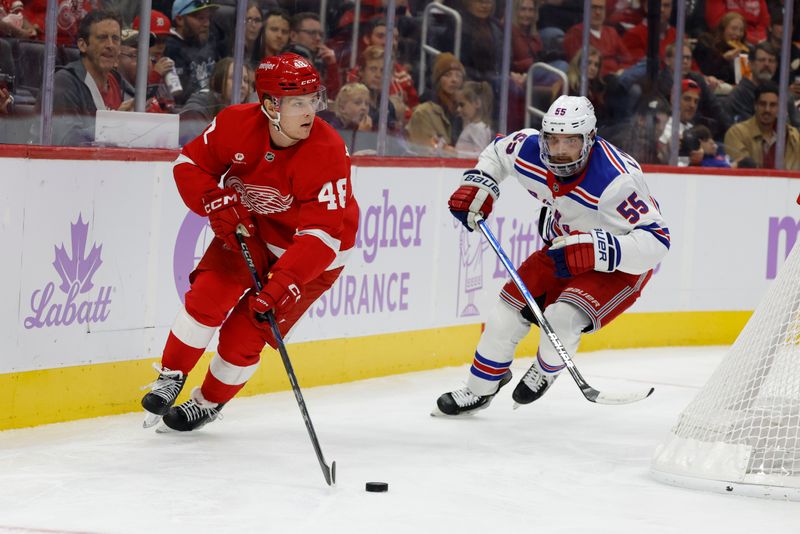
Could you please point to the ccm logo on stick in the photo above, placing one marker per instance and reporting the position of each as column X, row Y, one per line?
column 221, row 202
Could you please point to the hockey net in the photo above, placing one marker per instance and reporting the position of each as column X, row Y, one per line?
column 741, row 434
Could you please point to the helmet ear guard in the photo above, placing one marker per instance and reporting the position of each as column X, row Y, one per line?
column 568, row 115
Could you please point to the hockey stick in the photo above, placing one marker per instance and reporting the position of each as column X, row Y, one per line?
column 588, row 391
column 329, row 472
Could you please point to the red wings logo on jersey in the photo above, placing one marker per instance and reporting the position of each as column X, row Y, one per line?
column 261, row 199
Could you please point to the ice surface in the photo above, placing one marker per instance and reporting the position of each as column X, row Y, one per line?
column 560, row 465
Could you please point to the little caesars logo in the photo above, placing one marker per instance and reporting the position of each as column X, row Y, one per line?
column 77, row 302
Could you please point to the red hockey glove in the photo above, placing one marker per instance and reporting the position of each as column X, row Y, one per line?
column 279, row 294
column 476, row 195
column 580, row 252
column 225, row 214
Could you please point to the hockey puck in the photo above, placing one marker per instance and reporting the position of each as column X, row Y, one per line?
column 377, row 487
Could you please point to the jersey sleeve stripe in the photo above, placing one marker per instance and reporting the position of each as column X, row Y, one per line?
column 541, row 171
column 339, row 261
column 183, row 158
column 660, row 233
column 581, row 200
column 529, row 174
column 582, row 192
column 325, row 237
column 613, row 158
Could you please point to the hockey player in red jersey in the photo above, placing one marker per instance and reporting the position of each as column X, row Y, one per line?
column 604, row 235
column 281, row 176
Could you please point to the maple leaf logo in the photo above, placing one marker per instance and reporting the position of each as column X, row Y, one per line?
column 79, row 267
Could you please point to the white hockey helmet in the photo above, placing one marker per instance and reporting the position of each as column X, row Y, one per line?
column 569, row 115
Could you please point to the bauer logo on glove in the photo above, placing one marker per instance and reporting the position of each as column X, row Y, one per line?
column 580, row 252
column 475, row 196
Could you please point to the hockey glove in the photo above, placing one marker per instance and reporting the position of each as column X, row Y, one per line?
column 279, row 294
column 580, row 252
column 476, row 195
column 547, row 225
column 225, row 214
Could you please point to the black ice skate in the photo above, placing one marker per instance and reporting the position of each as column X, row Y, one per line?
column 162, row 394
column 464, row 402
column 191, row 415
column 533, row 385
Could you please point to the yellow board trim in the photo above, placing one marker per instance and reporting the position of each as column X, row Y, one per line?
column 68, row 393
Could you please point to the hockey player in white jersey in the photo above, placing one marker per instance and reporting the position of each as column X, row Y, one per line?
column 603, row 232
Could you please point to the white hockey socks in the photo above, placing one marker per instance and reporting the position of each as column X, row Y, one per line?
column 568, row 322
column 504, row 329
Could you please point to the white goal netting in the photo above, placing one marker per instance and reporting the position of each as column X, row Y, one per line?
column 741, row 434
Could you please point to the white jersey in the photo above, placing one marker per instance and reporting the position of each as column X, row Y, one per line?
column 610, row 194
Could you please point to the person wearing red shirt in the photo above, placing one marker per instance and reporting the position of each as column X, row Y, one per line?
column 69, row 15
column 280, row 176
column 635, row 39
column 604, row 39
column 755, row 13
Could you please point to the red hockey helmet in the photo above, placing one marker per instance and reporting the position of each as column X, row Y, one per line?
column 286, row 74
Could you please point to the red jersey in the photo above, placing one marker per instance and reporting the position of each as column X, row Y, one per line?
column 300, row 197
column 69, row 15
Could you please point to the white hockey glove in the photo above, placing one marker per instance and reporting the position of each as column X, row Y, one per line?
column 580, row 252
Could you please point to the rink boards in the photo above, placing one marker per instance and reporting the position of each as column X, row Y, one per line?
column 98, row 253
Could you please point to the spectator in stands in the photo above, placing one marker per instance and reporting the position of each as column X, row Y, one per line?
column 128, row 55
column 695, row 18
column 401, row 88
column 6, row 101
column 13, row 22
column 253, row 24
column 635, row 39
column 204, row 105
column 435, row 123
column 690, row 98
column 763, row 66
column 624, row 14
column 274, row 36
column 526, row 44
column 755, row 13
column 560, row 14
column 351, row 119
column 371, row 75
column 774, row 38
column 605, row 39
column 596, row 86
column 474, row 104
column 351, row 109
column 82, row 87
column 481, row 42
column 372, row 33
column 709, row 107
column 190, row 47
column 305, row 39
column 70, row 13
column 718, row 53
column 160, row 65
column 756, row 137
column 701, row 149
column 638, row 134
